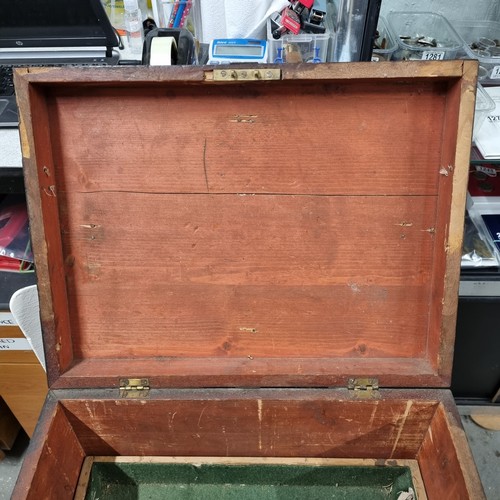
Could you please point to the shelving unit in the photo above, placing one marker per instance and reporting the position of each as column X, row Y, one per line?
column 476, row 369
column 23, row 379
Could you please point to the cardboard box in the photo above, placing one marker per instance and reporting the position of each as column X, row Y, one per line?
column 249, row 264
column 24, row 385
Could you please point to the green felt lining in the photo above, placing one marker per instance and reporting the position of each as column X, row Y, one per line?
column 130, row 481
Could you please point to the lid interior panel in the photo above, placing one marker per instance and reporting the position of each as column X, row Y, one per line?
column 266, row 234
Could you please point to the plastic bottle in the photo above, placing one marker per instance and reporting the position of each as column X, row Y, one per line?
column 133, row 26
column 115, row 11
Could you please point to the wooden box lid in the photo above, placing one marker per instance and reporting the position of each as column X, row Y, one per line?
column 232, row 233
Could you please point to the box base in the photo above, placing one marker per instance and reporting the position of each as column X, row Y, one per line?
column 244, row 478
column 298, row 424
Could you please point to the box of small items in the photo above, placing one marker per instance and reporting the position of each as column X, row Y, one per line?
column 481, row 41
column 423, row 35
column 298, row 33
column 385, row 43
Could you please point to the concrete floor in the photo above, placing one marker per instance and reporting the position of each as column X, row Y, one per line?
column 485, row 447
column 9, row 466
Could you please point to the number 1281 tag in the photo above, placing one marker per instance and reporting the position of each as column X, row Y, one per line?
column 432, row 55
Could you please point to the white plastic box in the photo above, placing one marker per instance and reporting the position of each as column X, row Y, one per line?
column 304, row 47
column 478, row 38
column 407, row 26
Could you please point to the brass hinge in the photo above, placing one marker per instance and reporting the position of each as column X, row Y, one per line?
column 238, row 75
column 134, row 388
column 363, row 388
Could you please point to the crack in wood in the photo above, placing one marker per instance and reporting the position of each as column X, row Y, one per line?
column 205, row 164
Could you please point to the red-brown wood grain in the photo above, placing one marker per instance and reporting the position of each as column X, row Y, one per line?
column 247, row 371
column 251, row 423
column 52, row 466
column 189, row 219
column 326, row 138
column 451, row 208
column 300, row 424
column 270, row 276
column 445, row 463
column 41, row 196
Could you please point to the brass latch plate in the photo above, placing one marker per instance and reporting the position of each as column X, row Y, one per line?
column 250, row 74
column 134, row 388
column 364, row 388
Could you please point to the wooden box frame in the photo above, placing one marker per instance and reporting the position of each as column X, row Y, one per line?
column 249, row 244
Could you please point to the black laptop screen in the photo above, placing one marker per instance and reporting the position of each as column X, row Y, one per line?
column 54, row 23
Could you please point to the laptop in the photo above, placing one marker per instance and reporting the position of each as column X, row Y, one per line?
column 50, row 33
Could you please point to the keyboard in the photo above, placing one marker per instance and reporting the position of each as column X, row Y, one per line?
column 8, row 107
column 6, row 80
column 7, row 77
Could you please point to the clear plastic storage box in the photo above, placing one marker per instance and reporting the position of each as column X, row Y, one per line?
column 178, row 14
column 484, row 106
column 304, row 47
column 385, row 43
column 423, row 35
column 481, row 41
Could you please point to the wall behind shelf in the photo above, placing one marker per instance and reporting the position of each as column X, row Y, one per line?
column 484, row 10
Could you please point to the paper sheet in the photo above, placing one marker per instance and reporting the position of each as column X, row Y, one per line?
column 236, row 18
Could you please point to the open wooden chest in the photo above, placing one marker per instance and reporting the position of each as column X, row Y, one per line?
column 244, row 266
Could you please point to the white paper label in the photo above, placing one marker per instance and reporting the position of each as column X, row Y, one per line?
column 14, row 345
column 495, row 73
column 432, row 55
column 491, row 172
column 6, row 319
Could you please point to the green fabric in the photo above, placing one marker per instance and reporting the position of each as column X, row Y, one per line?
column 129, row 481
